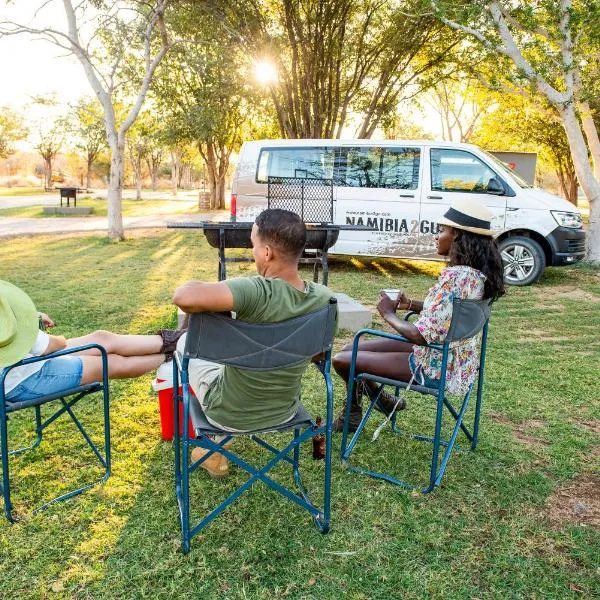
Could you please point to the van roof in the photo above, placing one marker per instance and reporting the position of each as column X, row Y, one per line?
column 357, row 142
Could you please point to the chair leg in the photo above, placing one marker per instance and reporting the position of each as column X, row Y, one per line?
column 5, row 472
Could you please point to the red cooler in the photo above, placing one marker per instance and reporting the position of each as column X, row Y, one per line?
column 163, row 385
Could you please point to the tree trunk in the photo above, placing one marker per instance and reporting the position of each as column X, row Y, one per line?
column 115, row 190
column 174, row 172
column 48, row 173
column 137, row 171
column 585, row 175
column 88, row 175
column 591, row 134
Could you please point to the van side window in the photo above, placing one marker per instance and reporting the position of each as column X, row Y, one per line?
column 458, row 171
column 300, row 163
column 376, row 167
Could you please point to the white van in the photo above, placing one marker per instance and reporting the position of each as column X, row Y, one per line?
column 401, row 188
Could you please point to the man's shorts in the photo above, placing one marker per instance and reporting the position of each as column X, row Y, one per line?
column 57, row 375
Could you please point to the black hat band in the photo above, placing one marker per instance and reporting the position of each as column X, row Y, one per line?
column 465, row 220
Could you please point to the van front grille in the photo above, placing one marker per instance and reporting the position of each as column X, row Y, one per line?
column 575, row 246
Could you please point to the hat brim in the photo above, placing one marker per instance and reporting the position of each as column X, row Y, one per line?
column 477, row 230
column 27, row 318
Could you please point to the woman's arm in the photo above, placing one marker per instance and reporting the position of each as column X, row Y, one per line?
column 387, row 309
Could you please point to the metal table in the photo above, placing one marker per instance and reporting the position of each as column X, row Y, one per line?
column 224, row 235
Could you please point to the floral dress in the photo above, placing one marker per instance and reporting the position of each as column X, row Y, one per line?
column 460, row 282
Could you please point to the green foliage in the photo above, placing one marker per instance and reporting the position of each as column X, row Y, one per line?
column 12, row 129
column 491, row 531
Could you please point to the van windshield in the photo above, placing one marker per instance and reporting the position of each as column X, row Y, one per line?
column 522, row 183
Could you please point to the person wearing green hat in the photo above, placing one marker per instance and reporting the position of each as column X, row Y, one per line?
column 21, row 337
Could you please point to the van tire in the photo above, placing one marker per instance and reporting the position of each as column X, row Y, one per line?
column 523, row 258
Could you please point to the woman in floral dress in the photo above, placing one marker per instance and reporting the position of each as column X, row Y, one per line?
column 475, row 272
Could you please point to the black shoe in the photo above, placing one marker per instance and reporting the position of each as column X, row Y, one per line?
column 170, row 337
column 353, row 421
column 386, row 402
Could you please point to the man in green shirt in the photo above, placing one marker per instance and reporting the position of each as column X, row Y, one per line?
column 238, row 400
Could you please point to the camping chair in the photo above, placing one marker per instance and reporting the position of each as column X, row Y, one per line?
column 255, row 347
column 469, row 318
column 67, row 399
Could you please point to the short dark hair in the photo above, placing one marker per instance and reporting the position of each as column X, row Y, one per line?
column 284, row 230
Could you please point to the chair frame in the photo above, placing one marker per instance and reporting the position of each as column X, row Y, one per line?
column 7, row 408
column 183, row 443
column 437, row 468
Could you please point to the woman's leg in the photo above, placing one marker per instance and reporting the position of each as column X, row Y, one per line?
column 119, row 367
column 381, row 345
column 394, row 365
column 123, row 345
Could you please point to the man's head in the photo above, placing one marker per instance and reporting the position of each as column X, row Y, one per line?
column 277, row 234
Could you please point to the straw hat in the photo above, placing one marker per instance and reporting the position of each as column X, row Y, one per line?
column 19, row 324
column 469, row 215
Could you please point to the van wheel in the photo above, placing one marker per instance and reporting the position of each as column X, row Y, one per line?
column 524, row 260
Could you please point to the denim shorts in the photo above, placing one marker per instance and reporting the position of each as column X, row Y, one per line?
column 420, row 377
column 57, row 375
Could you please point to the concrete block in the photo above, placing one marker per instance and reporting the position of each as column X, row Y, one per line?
column 68, row 210
column 351, row 314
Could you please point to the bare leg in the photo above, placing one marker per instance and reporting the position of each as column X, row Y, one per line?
column 387, row 364
column 381, row 345
column 124, row 345
column 119, row 367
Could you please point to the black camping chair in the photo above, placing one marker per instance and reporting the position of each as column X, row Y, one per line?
column 469, row 318
column 67, row 400
column 253, row 347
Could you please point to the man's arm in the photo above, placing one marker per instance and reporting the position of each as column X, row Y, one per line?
column 197, row 296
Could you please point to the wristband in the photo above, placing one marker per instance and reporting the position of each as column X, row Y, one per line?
column 409, row 304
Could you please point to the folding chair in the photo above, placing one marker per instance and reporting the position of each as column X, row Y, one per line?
column 67, row 399
column 469, row 318
column 253, row 347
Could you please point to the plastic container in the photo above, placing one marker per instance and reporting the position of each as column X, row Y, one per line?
column 163, row 385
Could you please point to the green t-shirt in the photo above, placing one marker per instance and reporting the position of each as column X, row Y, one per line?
column 247, row 400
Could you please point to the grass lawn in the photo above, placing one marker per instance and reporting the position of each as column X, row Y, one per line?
column 518, row 518
column 131, row 208
column 22, row 191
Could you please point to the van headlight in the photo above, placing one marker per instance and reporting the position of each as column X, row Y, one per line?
column 567, row 219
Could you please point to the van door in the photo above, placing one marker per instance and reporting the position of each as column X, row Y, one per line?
column 378, row 187
column 454, row 173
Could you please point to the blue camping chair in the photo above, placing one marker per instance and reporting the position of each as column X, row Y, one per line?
column 253, row 347
column 68, row 399
column 469, row 318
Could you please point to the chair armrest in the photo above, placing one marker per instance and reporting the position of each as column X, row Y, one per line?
column 389, row 336
column 34, row 359
column 409, row 314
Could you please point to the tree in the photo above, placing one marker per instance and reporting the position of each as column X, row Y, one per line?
column 337, row 57
column 127, row 41
column 205, row 95
column 461, row 103
column 516, row 123
column 545, row 50
column 12, row 129
column 86, row 123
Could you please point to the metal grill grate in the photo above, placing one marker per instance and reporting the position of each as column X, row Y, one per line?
column 310, row 198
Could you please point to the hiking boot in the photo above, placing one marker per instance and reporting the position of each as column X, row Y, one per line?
column 353, row 421
column 170, row 337
column 386, row 402
column 216, row 465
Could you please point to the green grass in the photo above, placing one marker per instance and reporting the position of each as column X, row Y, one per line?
column 22, row 191
column 490, row 531
column 131, row 208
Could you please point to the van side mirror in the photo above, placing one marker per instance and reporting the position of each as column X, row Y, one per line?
column 495, row 187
